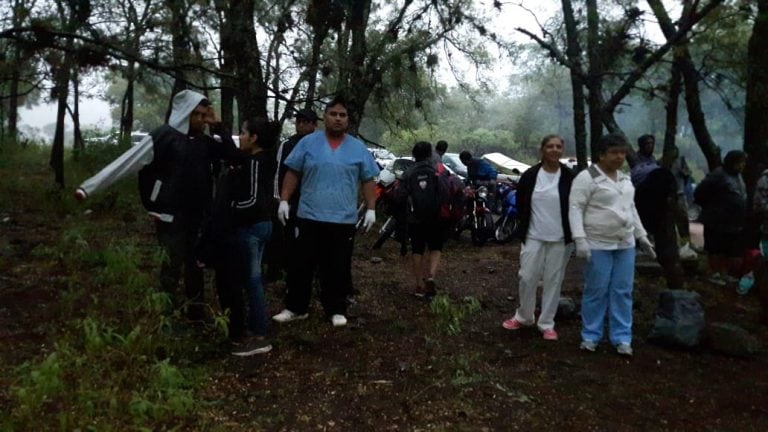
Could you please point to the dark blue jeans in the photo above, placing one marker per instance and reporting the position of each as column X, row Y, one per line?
column 253, row 239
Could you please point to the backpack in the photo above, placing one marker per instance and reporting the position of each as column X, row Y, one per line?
column 451, row 196
column 423, row 200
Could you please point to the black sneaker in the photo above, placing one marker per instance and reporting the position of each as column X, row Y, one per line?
column 253, row 346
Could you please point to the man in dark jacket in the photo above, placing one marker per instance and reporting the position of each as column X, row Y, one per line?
column 656, row 203
column 276, row 256
column 174, row 163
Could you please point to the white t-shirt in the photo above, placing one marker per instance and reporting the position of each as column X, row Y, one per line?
column 546, row 222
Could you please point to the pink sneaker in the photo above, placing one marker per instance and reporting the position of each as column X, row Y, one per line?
column 549, row 334
column 511, row 324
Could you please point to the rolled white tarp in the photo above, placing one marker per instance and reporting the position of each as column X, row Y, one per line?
column 506, row 162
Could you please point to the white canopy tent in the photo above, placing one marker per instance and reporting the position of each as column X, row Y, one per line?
column 506, row 162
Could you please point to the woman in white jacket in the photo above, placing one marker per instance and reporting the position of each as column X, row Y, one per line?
column 604, row 225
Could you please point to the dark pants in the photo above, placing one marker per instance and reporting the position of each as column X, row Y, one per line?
column 667, row 253
column 230, row 284
column 279, row 251
column 178, row 240
column 681, row 217
column 327, row 248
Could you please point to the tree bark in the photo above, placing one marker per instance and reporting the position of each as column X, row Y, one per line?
column 356, row 75
column 126, row 106
column 594, row 77
column 756, row 110
column 180, row 35
column 671, row 107
column 13, row 97
column 574, row 53
column 252, row 90
column 62, row 91
column 690, row 76
column 78, row 143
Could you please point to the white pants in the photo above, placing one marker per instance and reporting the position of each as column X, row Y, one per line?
column 545, row 261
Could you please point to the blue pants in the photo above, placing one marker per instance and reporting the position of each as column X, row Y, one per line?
column 608, row 280
column 253, row 239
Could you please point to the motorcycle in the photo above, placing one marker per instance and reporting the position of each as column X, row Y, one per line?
column 507, row 223
column 479, row 216
column 386, row 205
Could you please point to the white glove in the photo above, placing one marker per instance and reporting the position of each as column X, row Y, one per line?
column 582, row 249
column 370, row 218
column 283, row 211
column 645, row 245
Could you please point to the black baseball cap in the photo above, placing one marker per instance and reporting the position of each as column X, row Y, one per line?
column 306, row 114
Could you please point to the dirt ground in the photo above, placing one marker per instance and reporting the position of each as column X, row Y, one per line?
column 393, row 368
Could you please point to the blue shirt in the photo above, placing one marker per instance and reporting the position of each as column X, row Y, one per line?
column 330, row 178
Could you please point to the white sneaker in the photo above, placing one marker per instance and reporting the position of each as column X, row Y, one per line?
column 624, row 349
column 339, row 320
column 686, row 253
column 286, row 316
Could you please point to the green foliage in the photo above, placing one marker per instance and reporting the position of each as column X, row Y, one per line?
column 116, row 341
column 449, row 315
column 115, row 363
column 464, row 370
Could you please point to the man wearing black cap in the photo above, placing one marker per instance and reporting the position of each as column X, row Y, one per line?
column 276, row 255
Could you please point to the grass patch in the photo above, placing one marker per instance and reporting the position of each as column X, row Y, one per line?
column 115, row 362
column 449, row 315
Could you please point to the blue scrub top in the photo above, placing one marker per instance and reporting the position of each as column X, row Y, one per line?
column 330, row 178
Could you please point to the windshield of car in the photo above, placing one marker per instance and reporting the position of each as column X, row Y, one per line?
column 452, row 161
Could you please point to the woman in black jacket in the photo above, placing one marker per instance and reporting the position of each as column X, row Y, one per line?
column 542, row 201
column 253, row 207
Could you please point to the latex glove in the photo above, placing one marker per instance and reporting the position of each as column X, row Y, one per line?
column 645, row 245
column 370, row 218
column 582, row 249
column 80, row 194
column 283, row 211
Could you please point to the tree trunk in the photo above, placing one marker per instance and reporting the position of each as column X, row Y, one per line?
column 671, row 107
column 180, row 35
column 78, row 143
column 62, row 91
column 252, row 90
column 594, row 76
column 13, row 99
column 696, row 114
column 13, row 96
column 691, row 80
column 756, row 110
column 357, row 78
column 126, row 107
column 573, row 52
column 2, row 124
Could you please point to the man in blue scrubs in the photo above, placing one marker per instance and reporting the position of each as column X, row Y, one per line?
column 331, row 166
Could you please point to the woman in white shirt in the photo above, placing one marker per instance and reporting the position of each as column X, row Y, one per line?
column 542, row 203
column 605, row 224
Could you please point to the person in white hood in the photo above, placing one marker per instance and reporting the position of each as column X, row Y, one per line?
column 174, row 163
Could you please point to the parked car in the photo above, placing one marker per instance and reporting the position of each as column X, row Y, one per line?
column 383, row 157
column 452, row 161
column 570, row 162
